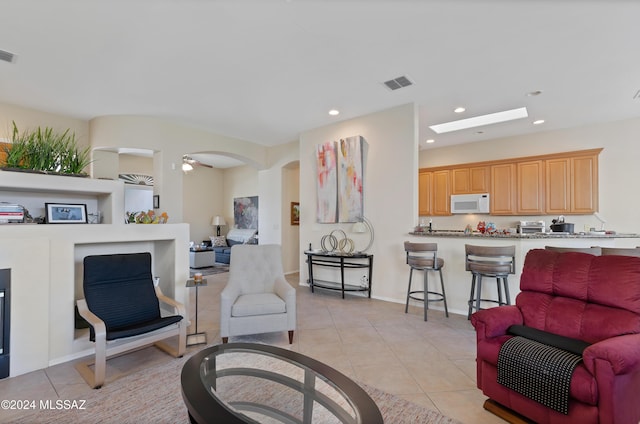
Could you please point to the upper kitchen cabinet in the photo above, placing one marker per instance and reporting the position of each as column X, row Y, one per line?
column 424, row 193
column 503, row 189
column 572, row 184
column 441, row 195
column 470, row 180
column 530, row 188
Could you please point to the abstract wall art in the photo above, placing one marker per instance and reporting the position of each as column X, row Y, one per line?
column 350, row 177
column 340, row 177
column 326, row 183
column 245, row 212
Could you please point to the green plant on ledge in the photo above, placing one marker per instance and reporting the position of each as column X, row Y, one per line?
column 46, row 151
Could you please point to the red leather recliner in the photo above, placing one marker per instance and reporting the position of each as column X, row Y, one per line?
column 591, row 298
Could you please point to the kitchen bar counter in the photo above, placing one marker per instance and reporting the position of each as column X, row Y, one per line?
column 458, row 281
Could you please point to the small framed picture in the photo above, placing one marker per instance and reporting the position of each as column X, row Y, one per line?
column 156, row 201
column 66, row 213
column 295, row 213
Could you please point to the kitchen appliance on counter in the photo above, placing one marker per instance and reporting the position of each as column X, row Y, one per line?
column 531, row 227
column 559, row 226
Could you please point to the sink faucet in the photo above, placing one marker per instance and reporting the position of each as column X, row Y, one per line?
column 430, row 228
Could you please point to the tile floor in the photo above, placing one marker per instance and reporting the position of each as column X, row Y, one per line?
column 430, row 363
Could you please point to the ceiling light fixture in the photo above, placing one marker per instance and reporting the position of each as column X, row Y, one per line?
column 459, row 109
column 478, row 121
column 334, row 112
column 538, row 122
column 186, row 167
column 534, row 93
column 431, row 140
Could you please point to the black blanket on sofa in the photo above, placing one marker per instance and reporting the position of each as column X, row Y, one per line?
column 537, row 371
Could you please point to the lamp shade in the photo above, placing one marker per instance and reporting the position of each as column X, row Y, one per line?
column 218, row 220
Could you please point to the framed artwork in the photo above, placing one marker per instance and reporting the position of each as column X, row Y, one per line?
column 156, row 201
column 350, row 179
column 66, row 213
column 245, row 212
column 326, row 183
column 295, row 213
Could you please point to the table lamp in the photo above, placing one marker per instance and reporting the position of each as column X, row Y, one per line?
column 217, row 222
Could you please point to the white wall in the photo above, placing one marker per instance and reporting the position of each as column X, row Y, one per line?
column 390, row 191
column 618, row 170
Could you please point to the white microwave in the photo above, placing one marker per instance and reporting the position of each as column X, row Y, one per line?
column 470, row 203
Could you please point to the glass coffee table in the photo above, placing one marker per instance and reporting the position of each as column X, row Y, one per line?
column 256, row 383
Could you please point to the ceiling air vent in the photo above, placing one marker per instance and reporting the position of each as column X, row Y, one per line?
column 6, row 56
column 399, row 82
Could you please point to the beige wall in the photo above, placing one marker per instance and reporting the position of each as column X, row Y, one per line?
column 132, row 164
column 239, row 181
column 203, row 199
column 618, row 170
column 291, row 251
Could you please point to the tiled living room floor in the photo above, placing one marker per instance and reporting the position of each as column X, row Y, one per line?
column 431, row 363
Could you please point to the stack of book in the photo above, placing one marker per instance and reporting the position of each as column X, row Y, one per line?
column 11, row 213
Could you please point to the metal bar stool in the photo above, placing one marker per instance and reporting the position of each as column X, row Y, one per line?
column 424, row 257
column 492, row 262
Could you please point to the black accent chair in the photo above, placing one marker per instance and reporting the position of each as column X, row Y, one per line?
column 122, row 307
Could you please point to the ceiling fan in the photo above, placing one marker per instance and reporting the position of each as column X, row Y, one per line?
column 188, row 163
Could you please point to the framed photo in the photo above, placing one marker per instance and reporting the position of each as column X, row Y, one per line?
column 66, row 213
column 295, row 213
column 156, row 201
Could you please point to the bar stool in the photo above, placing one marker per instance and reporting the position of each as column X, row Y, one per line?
column 492, row 262
column 424, row 257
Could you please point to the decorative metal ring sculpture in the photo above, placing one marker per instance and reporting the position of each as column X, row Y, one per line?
column 345, row 245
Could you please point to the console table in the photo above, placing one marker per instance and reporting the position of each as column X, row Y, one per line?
column 342, row 261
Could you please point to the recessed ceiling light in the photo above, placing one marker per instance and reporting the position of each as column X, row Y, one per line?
column 334, row 112
column 534, row 93
column 459, row 109
column 478, row 121
column 538, row 122
column 431, row 140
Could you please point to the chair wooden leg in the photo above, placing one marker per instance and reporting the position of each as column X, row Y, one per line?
column 290, row 336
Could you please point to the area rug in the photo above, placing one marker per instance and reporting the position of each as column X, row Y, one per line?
column 210, row 270
column 154, row 396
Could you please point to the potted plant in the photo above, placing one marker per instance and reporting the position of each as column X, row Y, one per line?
column 45, row 151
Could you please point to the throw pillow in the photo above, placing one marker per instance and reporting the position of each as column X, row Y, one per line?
column 232, row 242
column 219, row 241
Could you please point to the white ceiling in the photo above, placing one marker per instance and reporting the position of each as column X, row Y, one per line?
column 267, row 70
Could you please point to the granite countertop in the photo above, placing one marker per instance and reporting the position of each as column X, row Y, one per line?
column 475, row 234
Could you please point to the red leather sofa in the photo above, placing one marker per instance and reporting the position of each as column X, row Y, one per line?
column 595, row 299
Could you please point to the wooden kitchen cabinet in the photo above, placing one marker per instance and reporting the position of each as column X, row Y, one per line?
column 503, row 189
column 441, row 195
column 424, row 193
column 530, row 188
column 470, row 180
column 551, row 184
column 571, row 185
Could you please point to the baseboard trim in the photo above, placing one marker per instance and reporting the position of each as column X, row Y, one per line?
column 505, row 413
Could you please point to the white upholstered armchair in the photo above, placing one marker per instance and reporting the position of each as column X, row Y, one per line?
column 257, row 298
